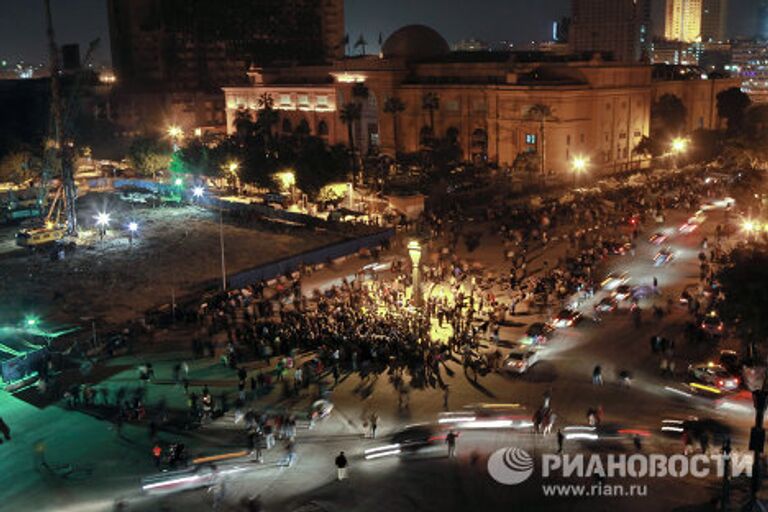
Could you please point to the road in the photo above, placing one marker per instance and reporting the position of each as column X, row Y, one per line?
column 106, row 467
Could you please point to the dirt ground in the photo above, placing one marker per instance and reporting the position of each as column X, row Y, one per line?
column 175, row 253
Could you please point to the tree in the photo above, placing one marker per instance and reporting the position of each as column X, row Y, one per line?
column 668, row 116
column 266, row 119
column 149, row 156
column 243, row 124
column 430, row 102
column 756, row 123
column 541, row 113
column 19, row 167
column 394, row 106
column 732, row 105
column 317, row 165
column 192, row 159
column 744, row 284
column 350, row 114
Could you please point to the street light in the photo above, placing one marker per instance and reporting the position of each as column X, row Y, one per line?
column 579, row 164
column 233, row 167
column 178, row 182
column 198, row 192
column 679, row 145
column 414, row 251
column 175, row 132
column 133, row 227
column 102, row 222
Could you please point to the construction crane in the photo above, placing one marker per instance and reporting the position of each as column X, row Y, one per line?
column 59, row 149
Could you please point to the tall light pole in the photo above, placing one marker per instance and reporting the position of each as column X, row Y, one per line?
column 414, row 251
column 579, row 165
column 679, row 146
column 176, row 134
column 755, row 380
column 221, row 246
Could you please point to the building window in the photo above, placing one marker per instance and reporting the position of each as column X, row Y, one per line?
column 452, row 106
column 285, row 100
column 530, row 138
column 622, row 135
column 637, row 134
column 322, row 102
column 567, row 140
column 287, row 126
column 581, row 138
column 304, row 100
column 701, row 122
column 322, row 129
column 567, row 154
column 607, row 106
column 479, row 106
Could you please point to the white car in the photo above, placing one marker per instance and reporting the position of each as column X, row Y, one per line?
column 613, row 281
column 521, row 360
column 718, row 204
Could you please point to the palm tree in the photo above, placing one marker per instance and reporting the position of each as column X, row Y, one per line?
column 541, row 113
column 431, row 103
column 394, row 106
column 267, row 115
column 243, row 124
column 350, row 114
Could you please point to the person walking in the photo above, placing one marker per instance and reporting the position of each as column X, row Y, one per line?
column 560, row 439
column 450, row 440
column 157, row 454
column 5, row 430
column 374, row 419
column 341, row 466
column 597, row 376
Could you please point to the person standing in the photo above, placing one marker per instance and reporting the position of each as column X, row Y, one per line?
column 597, row 375
column 374, row 424
column 341, row 466
column 450, row 440
column 157, row 454
column 560, row 439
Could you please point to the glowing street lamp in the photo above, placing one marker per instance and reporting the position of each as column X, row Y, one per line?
column 414, row 251
column 175, row 132
column 102, row 222
column 233, row 167
column 133, row 227
column 679, row 145
column 579, row 164
column 178, row 182
column 198, row 192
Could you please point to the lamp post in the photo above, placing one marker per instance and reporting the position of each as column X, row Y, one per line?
column 133, row 227
column 755, row 379
column 679, row 146
column 176, row 134
column 102, row 222
column 579, row 165
column 414, row 251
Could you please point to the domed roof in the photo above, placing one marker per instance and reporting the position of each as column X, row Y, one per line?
column 415, row 42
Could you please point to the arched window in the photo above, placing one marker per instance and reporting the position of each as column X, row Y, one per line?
column 303, row 128
column 480, row 142
column 287, row 126
column 322, row 129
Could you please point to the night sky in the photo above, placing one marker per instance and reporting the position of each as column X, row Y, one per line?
column 22, row 31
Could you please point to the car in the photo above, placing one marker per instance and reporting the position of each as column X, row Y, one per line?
column 416, row 437
column 618, row 248
column 715, row 375
column 658, row 238
column 715, row 431
column 521, row 360
column 197, row 477
column 712, row 324
column 487, row 416
column 693, row 223
column 566, row 318
column 718, row 204
column 537, row 333
column 730, row 360
column 623, row 292
column 612, row 281
column 606, row 305
column 663, row 257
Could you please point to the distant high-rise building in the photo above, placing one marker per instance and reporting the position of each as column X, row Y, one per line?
column 172, row 57
column 682, row 20
column 713, row 18
column 199, row 44
column 619, row 27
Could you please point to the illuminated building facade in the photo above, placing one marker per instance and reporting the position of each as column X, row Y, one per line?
column 598, row 109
